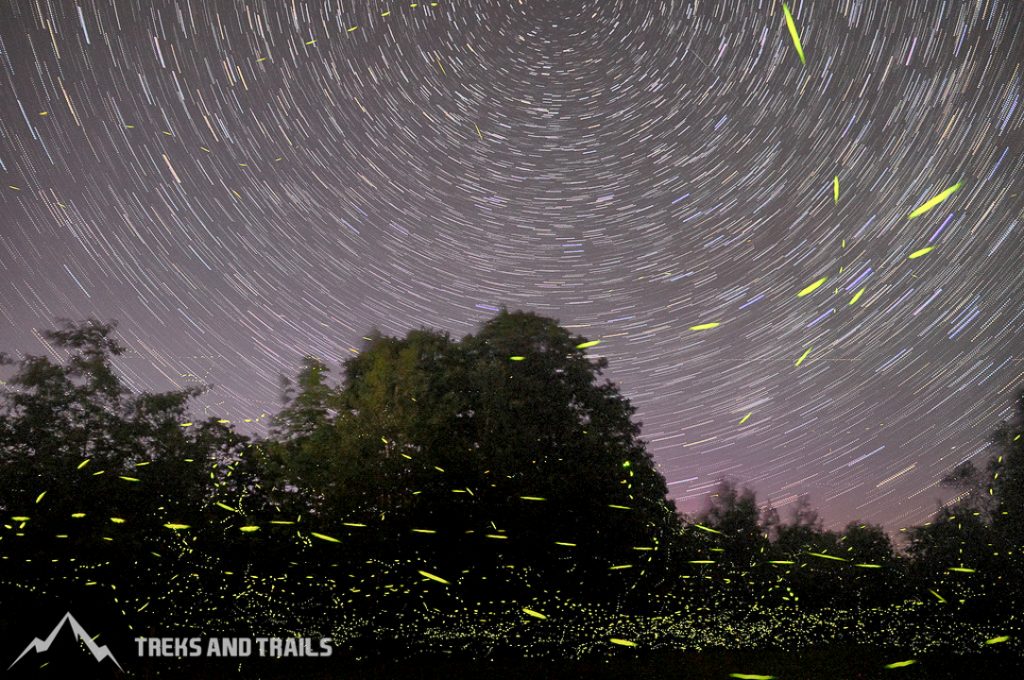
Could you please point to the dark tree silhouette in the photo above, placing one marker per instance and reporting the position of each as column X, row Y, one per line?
column 92, row 473
column 735, row 514
column 1006, row 476
column 877, row 573
column 506, row 444
column 981, row 531
column 307, row 402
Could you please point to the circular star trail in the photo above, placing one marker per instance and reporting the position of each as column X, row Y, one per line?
column 239, row 183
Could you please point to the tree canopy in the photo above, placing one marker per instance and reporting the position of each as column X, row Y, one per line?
column 507, row 435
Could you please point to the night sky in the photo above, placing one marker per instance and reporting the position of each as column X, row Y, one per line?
column 240, row 183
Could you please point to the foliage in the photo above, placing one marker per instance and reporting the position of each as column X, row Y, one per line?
column 445, row 481
column 508, row 435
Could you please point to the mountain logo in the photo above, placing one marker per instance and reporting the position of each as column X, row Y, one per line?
column 99, row 652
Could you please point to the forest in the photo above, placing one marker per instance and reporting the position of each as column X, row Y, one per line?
column 486, row 501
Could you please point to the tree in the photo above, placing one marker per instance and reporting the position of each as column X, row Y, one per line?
column 506, row 444
column 1006, row 476
column 804, row 531
column 817, row 568
column 92, row 473
column 983, row 529
column 582, row 448
column 975, row 490
column 296, row 455
column 876, row 574
column 735, row 513
column 307, row 402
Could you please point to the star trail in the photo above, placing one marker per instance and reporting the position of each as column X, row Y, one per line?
column 796, row 232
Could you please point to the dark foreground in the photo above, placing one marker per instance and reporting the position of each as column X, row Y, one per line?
column 848, row 663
